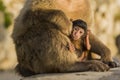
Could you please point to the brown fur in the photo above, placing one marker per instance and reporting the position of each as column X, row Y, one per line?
column 98, row 48
column 41, row 37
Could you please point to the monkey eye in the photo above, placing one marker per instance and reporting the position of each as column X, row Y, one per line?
column 76, row 28
column 81, row 32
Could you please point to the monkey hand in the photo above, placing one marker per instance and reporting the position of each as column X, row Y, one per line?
column 88, row 46
column 71, row 47
column 112, row 64
column 95, row 65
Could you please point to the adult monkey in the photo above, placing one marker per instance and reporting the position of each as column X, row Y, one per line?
column 40, row 36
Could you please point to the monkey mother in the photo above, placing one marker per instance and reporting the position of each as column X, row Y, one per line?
column 41, row 35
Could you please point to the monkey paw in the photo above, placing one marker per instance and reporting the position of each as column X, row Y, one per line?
column 112, row 64
column 98, row 66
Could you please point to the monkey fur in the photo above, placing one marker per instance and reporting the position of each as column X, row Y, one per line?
column 97, row 47
column 40, row 35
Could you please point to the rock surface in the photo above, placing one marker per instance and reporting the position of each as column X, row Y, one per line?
column 113, row 74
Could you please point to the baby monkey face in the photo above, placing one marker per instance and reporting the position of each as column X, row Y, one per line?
column 77, row 32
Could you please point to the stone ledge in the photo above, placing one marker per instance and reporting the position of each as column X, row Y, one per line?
column 113, row 74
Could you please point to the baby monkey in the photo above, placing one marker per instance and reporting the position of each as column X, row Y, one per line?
column 84, row 43
column 80, row 39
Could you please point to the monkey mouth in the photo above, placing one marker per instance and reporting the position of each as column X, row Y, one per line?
column 75, row 38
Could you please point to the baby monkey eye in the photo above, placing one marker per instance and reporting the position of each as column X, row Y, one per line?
column 76, row 28
column 81, row 32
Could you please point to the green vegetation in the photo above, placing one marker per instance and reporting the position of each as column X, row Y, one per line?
column 2, row 7
column 7, row 15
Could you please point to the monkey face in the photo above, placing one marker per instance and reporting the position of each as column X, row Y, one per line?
column 77, row 33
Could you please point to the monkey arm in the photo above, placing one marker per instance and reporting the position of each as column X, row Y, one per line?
column 99, row 48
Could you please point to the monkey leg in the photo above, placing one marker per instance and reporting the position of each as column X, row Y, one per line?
column 99, row 48
column 92, row 65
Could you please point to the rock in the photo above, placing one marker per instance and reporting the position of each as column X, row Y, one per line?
column 113, row 74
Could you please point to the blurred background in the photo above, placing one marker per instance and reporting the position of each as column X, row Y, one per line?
column 106, row 28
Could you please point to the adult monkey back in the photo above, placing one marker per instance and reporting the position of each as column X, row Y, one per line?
column 40, row 36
